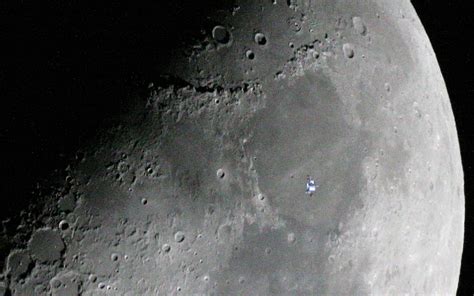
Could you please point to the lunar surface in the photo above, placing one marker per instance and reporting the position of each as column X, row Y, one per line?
column 198, row 188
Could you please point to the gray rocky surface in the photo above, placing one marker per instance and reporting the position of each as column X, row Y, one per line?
column 200, row 190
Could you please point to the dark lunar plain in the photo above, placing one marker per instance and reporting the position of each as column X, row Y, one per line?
column 70, row 66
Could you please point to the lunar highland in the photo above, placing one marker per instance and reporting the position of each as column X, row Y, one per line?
column 198, row 188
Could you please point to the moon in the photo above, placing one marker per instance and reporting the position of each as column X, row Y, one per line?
column 198, row 187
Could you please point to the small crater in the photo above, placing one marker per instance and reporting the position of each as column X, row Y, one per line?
column 221, row 35
column 260, row 39
column 331, row 258
column 348, row 50
column 149, row 171
column 144, row 201
column 55, row 283
column 220, row 173
column 166, row 248
column 92, row 278
column 250, row 55
column 179, row 236
column 114, row 257
column 63, row 225
column 359, row 25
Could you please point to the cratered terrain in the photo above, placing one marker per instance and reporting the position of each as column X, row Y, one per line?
column 198, row 188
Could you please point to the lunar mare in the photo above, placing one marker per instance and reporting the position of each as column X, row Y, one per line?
column 199, row 188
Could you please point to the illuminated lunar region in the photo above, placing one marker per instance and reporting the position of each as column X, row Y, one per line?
column 201, row 187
